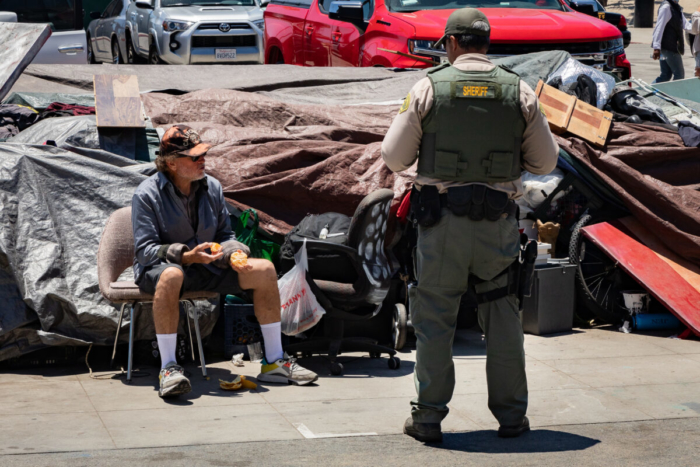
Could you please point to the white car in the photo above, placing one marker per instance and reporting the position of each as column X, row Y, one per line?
column 181, row 32
column 106, row 35
column 67, row 44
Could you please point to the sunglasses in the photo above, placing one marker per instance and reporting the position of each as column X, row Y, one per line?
column 194, row 158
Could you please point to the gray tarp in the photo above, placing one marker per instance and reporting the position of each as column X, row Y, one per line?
column 53, row 207
column 20, row 44
column 288, row 83
column 82, row 132
column 41, row 100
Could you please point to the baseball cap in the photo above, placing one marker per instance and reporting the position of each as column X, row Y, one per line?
column 461, row 22
column 181, row 139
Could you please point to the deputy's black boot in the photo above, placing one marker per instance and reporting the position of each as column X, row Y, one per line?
column 426, row 432
column 514, row 431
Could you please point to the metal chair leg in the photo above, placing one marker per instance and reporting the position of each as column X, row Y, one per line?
column 189, row 329
column 131, row 341
column 199, row 341
column 116, row 339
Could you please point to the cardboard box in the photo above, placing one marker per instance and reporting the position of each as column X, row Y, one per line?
column 566, row 113
column 557, row 106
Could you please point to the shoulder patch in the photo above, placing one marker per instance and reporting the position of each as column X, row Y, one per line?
column 406, row 103
column 542, row 110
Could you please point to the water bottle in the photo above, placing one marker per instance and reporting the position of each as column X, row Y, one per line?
column 324, row 233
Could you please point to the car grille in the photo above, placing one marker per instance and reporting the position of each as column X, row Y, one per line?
column 211, row 26
column 223, row 41
column 572, row 48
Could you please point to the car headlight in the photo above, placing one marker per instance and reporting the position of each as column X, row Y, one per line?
column 425, row 47
column 259, row 23
column 612, row 44
column 171, row 26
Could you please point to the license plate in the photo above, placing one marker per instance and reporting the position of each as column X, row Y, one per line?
column 225, row 54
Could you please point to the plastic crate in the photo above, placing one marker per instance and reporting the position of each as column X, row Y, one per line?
column 550, row 308
column 240, row 329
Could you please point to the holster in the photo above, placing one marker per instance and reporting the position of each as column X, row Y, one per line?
column 426, row 206
column 520, row 274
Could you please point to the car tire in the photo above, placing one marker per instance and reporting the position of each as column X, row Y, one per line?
column 153, row 58
column 90, row 52
column 132, row 58
column 116, row 53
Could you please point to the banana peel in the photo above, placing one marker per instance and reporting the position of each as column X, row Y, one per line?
column 236, row 384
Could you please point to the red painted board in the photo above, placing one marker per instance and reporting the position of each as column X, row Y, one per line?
column 652, row 273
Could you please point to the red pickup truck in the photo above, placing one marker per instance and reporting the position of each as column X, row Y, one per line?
column 402, row 33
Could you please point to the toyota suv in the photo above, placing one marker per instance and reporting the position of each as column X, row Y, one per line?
column 181, row 32
column 403, row 33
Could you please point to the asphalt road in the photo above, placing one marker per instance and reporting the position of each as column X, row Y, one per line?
column 670, row 442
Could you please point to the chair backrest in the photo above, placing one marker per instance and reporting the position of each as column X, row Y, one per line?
column 116, row 250
column 367, row 234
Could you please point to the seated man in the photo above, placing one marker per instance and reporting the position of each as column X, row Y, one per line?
column 176, row 215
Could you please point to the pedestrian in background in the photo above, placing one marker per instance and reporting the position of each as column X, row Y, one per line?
column 667, row 41
column 695, row 45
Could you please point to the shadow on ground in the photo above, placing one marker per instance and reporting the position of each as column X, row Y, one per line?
column 486, row 441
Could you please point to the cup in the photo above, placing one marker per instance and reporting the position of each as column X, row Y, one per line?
column 255, row 352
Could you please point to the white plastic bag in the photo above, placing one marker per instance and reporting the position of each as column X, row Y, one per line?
column 536, row 188
column 569, row 71
column 300, row 309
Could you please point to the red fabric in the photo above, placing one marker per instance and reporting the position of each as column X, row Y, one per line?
column 405, row 207
column 74, row 109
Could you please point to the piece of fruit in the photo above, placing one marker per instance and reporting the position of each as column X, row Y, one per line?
column 215, row 248
column 239, row 259
column 248, row 384
column 230, row 385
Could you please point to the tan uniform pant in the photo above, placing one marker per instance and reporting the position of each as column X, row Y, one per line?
column 446, row 255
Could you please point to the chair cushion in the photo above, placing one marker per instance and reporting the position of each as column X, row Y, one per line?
column 128, row 291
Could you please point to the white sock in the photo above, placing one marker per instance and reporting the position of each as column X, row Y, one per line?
column 272, row 335
column 167, row 344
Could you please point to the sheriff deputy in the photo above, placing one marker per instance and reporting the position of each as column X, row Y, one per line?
column 473, row 127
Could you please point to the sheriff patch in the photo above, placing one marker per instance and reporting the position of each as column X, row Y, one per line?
column 476, row 90
column 406, row 103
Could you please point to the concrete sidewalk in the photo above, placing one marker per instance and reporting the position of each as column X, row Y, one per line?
column 592, row 376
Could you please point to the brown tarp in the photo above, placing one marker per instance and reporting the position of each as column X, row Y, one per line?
column 288, row 160
column 656, row 176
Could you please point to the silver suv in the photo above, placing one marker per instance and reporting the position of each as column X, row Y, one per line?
column 182, row 32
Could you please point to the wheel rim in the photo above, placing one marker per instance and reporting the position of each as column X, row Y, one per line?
column 600, row 279
column 115, row 53
column 154, row 58
column 129, row 52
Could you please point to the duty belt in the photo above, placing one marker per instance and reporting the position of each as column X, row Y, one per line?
column 478, row 202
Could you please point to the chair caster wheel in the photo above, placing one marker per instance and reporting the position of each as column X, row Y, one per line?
column 336, row 369
column 375, row 355
column 394, row 363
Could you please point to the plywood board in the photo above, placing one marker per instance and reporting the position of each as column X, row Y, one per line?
column 590, row 123
column 118, row 102
column 653, row 273
column 557, row 106
column 19, row 44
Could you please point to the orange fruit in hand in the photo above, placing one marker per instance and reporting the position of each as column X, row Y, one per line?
column 239, row 259
column 215, row 248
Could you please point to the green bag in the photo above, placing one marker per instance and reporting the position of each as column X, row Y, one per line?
column 259, row 247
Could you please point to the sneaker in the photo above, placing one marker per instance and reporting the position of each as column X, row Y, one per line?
column 286, row 371
column 514, row 431
column 426, row 432
column 173, row 381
